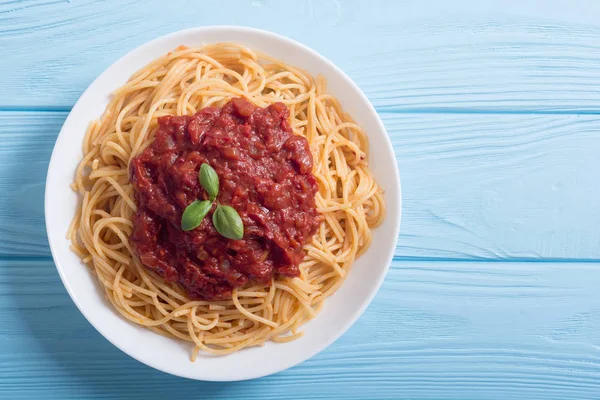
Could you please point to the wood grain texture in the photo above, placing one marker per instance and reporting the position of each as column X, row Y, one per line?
column 493, row 109
column 437, row 55
column 26, row 142
column 498, row 187
column 434, row 331
column 508, row 187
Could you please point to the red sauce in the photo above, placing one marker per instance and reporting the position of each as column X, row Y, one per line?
column 265, row 174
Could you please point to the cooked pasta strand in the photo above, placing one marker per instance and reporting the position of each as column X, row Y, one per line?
column 183, row 82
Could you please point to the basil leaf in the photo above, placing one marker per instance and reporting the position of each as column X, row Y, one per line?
column 209, row 180
column 194, row 214
column 228, row 223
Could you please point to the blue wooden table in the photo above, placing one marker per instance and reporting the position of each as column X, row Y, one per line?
column 493, row 108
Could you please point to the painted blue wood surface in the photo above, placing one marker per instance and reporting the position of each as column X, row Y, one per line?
column 494, row 113
column 476, row 186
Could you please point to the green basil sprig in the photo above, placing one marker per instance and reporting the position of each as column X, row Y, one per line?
column 209, row 180
column 226, row 219
column 194, row 214
column 228, row 223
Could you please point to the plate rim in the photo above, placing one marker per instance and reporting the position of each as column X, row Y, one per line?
column 341, row 330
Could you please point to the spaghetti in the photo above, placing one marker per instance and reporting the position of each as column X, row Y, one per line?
column 181, row 83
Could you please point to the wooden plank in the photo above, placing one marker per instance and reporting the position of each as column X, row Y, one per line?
column 499, row 187
column 26, row 142
column 508, row 187
column 406, row 55
column 435, row 331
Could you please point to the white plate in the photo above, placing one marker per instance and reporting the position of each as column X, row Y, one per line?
column 173, row 356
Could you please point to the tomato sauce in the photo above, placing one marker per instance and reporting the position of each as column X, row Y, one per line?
column 265, row 174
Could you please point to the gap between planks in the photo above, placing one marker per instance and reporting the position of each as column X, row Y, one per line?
column 395, row 259
column 380, row 110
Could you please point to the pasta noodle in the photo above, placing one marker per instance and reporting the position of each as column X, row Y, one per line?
column 183, row 82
